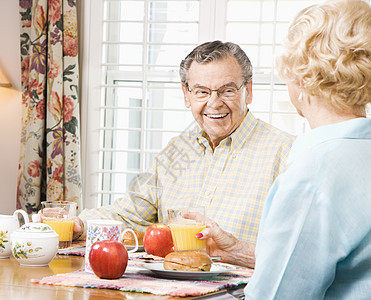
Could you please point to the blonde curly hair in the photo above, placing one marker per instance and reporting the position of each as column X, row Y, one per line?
column 328, row 50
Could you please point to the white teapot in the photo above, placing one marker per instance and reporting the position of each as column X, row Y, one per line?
column 8, row 224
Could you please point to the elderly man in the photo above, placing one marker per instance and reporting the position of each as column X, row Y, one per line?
column 226, row 164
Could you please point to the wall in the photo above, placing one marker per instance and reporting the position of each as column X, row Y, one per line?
column 10, row 105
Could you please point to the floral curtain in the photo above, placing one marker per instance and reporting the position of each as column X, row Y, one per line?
column 49, row 167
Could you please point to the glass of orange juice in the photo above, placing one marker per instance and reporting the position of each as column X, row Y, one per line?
column 184, row 224
column 60, row 216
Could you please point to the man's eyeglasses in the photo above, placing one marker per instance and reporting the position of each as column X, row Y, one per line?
column 226, row 92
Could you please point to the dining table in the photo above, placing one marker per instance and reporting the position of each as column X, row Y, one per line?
column 20, row 282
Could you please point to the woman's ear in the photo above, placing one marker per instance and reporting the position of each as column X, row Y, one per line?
column 187, row 103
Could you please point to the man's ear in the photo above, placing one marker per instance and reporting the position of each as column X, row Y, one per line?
column 187, row 102
column 248, row 96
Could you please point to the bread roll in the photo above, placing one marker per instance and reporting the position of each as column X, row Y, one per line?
column 128, row 238
column 188, row 261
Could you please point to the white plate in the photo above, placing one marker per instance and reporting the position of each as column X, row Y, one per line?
column 216, row 269
column 140, row 248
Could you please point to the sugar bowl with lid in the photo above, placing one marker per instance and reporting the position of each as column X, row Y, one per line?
column 34, row 244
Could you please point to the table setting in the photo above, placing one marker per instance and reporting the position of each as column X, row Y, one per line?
column 143, row 273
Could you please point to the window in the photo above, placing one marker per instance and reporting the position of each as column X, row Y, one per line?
column 132, row 101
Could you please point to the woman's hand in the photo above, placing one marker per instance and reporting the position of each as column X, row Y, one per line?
column 224, row 244
column 217, row 238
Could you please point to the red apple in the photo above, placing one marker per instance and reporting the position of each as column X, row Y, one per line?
column 108, row 259
column 157, row 240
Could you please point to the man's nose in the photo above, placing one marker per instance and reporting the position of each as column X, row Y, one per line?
column 214, row 99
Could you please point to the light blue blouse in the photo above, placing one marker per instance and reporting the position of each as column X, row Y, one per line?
column 314, row 239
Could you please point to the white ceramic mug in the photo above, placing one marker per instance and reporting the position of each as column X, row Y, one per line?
column 8, row 224
column 100, row 230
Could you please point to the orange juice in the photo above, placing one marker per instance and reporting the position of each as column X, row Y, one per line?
column 184, row 236
column 64, row 228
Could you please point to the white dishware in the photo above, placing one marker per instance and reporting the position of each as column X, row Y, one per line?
column 100, row 230
column 8, row 224
column 216, row 269
column 34, row 244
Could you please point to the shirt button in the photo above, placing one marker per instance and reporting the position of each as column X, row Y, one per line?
column 207, row 193
column 234, row 155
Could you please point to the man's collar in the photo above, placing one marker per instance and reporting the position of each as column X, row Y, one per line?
column 244, row 131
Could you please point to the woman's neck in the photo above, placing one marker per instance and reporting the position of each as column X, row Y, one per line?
column 319, row 114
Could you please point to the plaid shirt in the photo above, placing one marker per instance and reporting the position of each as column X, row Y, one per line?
column 231, row 182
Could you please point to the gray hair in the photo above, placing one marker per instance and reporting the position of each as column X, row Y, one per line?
column 213, row 51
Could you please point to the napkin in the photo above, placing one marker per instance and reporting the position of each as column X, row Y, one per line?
column 77, row 248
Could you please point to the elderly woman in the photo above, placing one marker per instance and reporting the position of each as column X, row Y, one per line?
column 314, row 240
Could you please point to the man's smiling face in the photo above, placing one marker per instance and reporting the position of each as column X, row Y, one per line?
column 216, row 117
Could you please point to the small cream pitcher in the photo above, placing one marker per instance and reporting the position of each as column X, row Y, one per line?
column 8, row 224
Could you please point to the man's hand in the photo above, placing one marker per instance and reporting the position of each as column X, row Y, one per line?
column 78, row 228
column 226, row 245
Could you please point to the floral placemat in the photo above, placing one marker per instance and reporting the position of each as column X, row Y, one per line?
column 146, row 283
